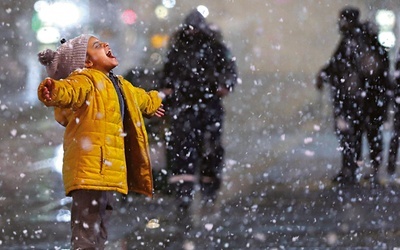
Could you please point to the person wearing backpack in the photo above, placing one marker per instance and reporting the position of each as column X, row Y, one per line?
column 198, row 73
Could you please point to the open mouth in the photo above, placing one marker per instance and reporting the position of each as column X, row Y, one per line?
column 110, row 54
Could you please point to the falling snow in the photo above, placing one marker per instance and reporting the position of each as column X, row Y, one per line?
column 280, row 147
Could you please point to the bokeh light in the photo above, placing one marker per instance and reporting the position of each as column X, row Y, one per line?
column 61, row 14
column 203, row 10
column 129, row 16
column 385, row 18
column 161, row 12
column 40, row 5
column 169, row 3
column 387, row 39
column 159, row 40
column 47, row 35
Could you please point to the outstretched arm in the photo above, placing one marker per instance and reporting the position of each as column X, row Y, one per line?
column 71, row 92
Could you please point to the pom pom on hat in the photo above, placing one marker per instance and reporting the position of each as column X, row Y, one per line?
column 46, row 57
column 69, row 56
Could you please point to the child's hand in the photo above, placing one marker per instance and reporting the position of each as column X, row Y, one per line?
column 160, row 112
column 167, row 91
column 48, row 87
column 222, row 91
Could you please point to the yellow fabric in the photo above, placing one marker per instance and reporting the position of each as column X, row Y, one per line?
column 101, row 152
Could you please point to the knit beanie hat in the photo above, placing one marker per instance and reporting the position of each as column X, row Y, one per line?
column 69, row 56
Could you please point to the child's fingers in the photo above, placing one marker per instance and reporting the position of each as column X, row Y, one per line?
column 160, row 112
column 47, row 88
column 49, row 84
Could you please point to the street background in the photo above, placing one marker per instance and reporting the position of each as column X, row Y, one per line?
column 280, row 148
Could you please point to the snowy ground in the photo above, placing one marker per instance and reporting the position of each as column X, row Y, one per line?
column 276, row 195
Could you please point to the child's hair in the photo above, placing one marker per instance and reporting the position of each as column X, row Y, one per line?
column 69, row 56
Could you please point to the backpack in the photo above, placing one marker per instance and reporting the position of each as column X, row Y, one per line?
column 373, row 57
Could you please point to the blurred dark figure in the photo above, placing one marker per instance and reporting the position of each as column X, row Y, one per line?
column 347, row 91
column 148, row 79
column 199, row 72
column 143, row 77
column 358, row 73
column 394, row 141
column 374, row 71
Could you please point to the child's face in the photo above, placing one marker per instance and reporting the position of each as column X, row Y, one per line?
column 99, row 56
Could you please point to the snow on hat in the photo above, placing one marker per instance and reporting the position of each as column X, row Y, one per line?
column 69, row 56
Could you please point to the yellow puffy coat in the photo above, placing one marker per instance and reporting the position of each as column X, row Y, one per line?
column 102, row 152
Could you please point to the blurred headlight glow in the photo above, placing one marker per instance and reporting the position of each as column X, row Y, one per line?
column 48, row 35
column 61, row 14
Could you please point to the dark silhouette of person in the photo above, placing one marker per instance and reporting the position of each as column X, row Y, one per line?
column 361, row 60
column 394, row 140
column 347, row 89
column 199, row 71
column 374, row 69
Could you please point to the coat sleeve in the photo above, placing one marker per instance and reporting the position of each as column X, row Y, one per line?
column 148, row 102
column 226, row 66
column 62, row 116
column 71, row 92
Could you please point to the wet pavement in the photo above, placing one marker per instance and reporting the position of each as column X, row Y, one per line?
column 282, row 201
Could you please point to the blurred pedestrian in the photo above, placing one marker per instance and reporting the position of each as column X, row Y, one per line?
column 347, row 90
column 199, row 71
column 394, row 141
column 367, row 63
column 105, row 141
column 374, row 71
